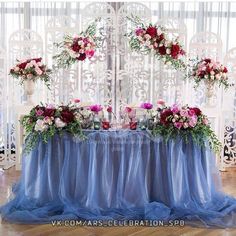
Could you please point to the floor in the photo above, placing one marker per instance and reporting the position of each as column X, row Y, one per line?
column 10, row 176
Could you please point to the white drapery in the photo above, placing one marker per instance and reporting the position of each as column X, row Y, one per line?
column 117, row 76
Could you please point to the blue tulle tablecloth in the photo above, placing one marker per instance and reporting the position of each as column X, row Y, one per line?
column 120, row 175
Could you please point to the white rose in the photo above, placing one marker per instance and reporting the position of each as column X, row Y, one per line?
column 59, row 123
column 212, row 77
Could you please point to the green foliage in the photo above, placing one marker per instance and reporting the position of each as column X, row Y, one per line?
column 200, row 134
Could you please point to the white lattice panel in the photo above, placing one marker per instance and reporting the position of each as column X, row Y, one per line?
column 22, row 44
column 64, row 81
column 205, row 44
column 98, row 75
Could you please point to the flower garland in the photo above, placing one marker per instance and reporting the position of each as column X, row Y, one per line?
column 209, row 71
column 186, row 122
column 153, row 39
column 79, row 47
column 47, row 120
column 31, row 69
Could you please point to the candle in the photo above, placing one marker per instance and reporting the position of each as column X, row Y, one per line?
column 96, row 125
column 105, row 124
column 133, row 125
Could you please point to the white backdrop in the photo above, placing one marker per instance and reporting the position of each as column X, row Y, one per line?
column 116, row 75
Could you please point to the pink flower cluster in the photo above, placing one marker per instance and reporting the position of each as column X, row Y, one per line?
column 81, row 47
column 30, row 69
column 209, row 69
column 154, row 38
column 95, row 108
column 182, row 117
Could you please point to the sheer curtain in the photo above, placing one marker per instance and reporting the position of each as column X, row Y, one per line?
column 216, row 17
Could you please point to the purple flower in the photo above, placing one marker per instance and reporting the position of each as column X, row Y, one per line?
column 95, row 108
column 146, row 105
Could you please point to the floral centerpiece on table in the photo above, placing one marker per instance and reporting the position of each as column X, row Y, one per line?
column 46, row 120
column 209, row 71
column 31, row 69
column 79, row 47
column 187, row 122
column 153, row 39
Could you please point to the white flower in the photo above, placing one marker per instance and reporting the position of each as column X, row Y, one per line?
column 212, row 77
column 147, row 36
column 80, row 42
column 173, row 120
column 168, row 63
column 40, row 126
column 16, row 69
column 159, row 32
column 59, row 123
column 217, row 76
column 168, row 51
column 212, row 72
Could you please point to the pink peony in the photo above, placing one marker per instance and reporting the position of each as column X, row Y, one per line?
column 175, row 108
column 178, row 125
column 146, row 105
column 95, row 108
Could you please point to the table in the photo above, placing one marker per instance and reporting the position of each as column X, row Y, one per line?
column 121, row 175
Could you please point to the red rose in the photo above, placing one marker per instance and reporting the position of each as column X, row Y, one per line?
column 160, row 38
column 22, row 65
column 109, row 109
column 164, row 116
column 49, row 112
column 75, row 47
column 196, row 110
column 162, row 50
column 225, row 70
column 207, row 60
column 208, row 69
column 67, row 116
column 36, row 59
column 152, row 31
column 81, row 57
column 175, row 51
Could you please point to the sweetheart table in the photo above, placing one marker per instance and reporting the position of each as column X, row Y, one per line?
column 120, row 174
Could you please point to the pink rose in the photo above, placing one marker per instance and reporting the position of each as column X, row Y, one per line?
column 205, row 121
column 89, row 53
column 39, row 112
column 139, row 31
column 76, row 100
column 160, row 102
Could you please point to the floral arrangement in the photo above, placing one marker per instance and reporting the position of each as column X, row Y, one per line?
column 186, row 122
column 154, row 39
column 47, row 120
column 31, row 69
column 78, row 47
column 209, row 71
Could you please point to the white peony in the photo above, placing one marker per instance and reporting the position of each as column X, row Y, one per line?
column 59, row 123
column 40, row 126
